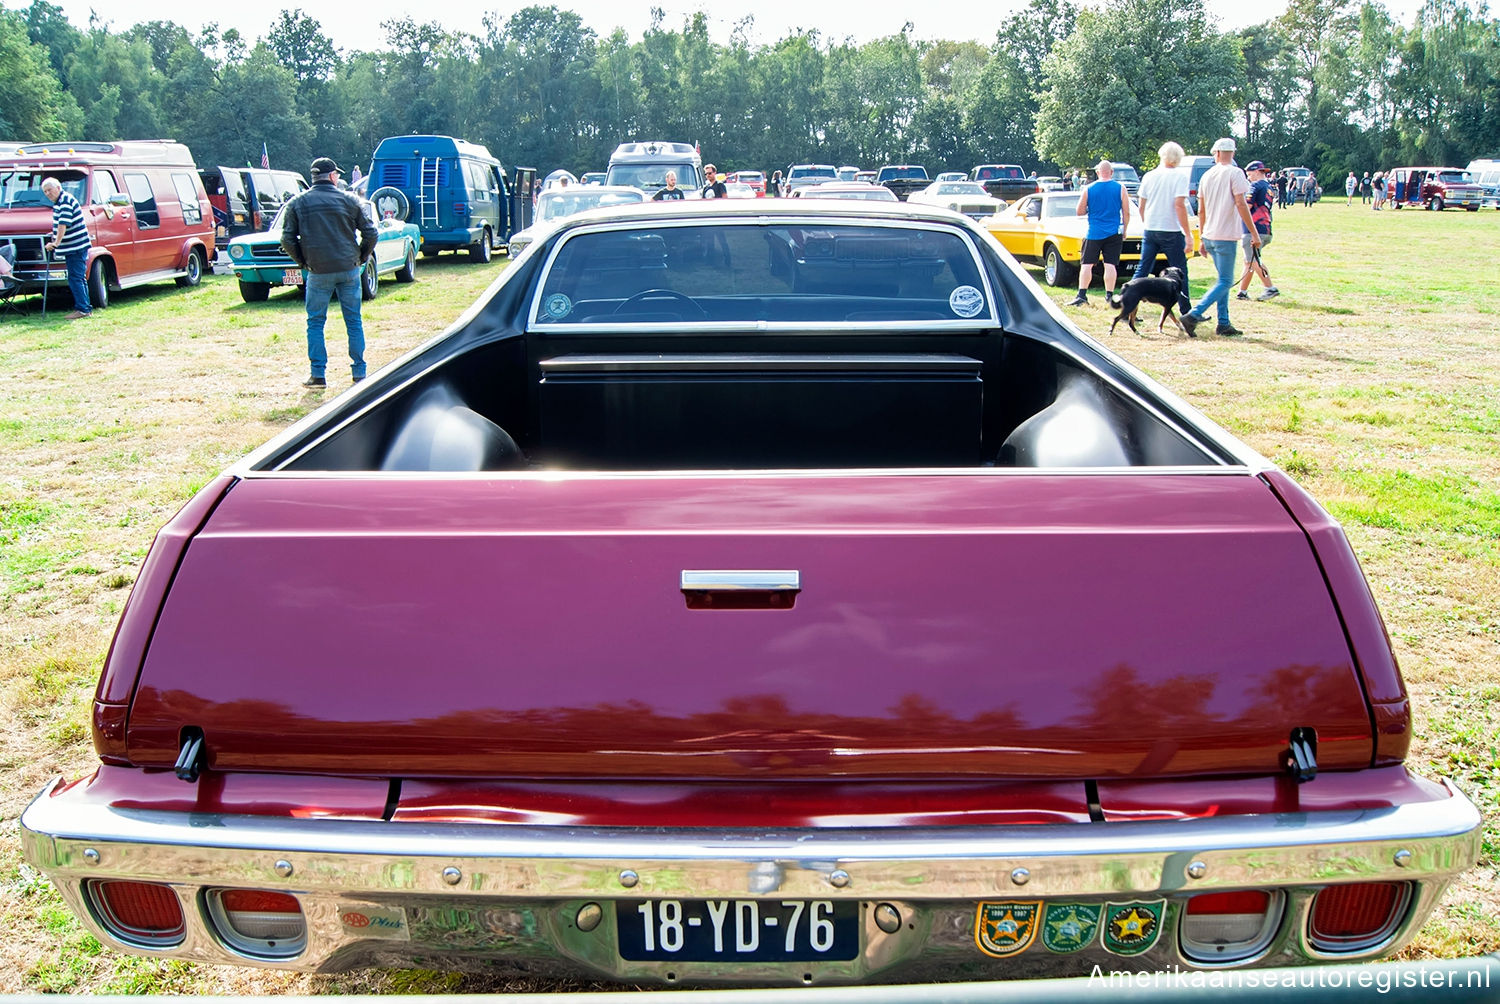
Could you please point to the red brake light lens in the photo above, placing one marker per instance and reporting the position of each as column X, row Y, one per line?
column 145, row 913
column 1356, row 916
column 1219, row 903
column 259, row 901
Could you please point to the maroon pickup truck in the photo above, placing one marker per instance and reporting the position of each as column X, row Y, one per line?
column 837, row 613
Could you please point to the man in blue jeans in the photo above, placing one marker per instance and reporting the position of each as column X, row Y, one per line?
column 1163, row 199
column 70, row 240
column 328, row 233
column 1222, row 217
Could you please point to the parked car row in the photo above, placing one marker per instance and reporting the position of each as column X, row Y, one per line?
column 153, row 215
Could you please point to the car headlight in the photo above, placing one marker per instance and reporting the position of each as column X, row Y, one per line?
column 236, row 250
column 516, row 247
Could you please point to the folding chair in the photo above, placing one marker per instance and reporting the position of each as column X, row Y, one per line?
column 9, row 287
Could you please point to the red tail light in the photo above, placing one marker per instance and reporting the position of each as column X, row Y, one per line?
column 145, row 913
column 460, row 207
column 1229, row 926
column 1357, row 916
column 258, row 922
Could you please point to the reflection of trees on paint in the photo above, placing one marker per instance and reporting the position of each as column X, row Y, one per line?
column 1125, row 724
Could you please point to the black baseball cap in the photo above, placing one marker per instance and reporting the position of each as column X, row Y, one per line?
column 324, row 165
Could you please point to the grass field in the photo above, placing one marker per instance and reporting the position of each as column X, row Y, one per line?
column 1374, row 380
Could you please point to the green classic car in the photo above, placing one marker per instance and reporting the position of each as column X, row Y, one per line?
column 259, row 263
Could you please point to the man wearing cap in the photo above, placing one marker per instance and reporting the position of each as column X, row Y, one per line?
column 1222, row 217
column 1107, row 205
column 326, row 231
column 1259, row 199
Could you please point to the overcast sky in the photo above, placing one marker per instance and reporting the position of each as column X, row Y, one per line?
column 357, row 25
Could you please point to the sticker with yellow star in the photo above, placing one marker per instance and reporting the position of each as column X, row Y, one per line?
column 1132, row 928
column 1002, row 929
column 1068, row 927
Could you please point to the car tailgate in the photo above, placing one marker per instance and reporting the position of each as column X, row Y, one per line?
column 988, row 624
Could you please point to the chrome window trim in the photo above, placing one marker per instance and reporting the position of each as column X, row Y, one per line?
column 988, row 322
column 243, row 472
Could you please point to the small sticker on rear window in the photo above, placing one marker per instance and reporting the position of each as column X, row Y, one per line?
column 966, row 301
column 557, row 306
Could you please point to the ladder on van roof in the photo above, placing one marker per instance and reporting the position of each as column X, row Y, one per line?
column 427, row 192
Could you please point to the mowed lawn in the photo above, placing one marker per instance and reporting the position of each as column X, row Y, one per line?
column 1374, row 379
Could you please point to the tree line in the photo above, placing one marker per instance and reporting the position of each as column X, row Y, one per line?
column 1330, row 84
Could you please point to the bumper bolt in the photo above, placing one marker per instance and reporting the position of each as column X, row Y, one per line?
column 589, row 915
column 1402, row 858
column 283, row 868
column 888, row 918
column 91, row 856
column 629, row 879
column 452, row 875
column 838, row 878
column 1020, row 876
column 1197, row 870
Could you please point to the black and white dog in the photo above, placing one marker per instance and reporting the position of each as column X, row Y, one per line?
column 1162, row 290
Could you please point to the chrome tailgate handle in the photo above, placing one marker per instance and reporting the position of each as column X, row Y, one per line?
column 741, row 589
column 742, row 581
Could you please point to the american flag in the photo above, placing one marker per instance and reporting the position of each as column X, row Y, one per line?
column 265, row 157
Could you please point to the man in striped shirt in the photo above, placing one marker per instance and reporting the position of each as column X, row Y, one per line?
column 70, row 239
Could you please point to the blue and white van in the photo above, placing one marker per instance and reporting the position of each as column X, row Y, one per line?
column 456, row 192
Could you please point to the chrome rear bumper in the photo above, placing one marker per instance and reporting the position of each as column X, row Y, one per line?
column 510, row 896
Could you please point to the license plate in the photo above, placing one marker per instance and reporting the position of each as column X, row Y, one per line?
column 292, row 277
column 752, row 930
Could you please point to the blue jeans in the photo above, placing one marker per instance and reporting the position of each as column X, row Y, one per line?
column 1222, row 253
column 78, row 280
column 1170, row 243
column 321, row 287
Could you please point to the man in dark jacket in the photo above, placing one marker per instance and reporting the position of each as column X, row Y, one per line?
column 327, row 232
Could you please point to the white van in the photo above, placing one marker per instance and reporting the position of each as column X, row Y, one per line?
column 1486, row 173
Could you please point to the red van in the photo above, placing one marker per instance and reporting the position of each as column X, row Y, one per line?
column 143, row 201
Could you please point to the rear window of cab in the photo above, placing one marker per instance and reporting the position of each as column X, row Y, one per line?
column 755, row 274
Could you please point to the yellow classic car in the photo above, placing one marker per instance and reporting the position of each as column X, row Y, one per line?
column 1045, row 228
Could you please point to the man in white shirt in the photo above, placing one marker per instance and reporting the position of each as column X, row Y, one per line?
column 1222, row 217
column 1162, row 199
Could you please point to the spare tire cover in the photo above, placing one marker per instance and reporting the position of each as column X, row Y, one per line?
column 391, row 202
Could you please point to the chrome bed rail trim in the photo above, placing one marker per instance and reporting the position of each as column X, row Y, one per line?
column 1406, row 842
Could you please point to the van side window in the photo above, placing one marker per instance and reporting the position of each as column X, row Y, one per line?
column 479, row 189
column 146, row 216
column 286, row 185
column 234, row 191
column 104, row 188
column 187, row 194
column 266, row 191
